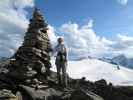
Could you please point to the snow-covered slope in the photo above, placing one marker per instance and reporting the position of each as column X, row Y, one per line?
column 94, row 69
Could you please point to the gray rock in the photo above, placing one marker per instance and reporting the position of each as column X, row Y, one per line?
column 33, row 55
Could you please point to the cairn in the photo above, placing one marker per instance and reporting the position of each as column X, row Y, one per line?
column 32, row 59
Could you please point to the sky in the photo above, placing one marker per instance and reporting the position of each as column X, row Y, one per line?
column 93, row 27
column 110, row 16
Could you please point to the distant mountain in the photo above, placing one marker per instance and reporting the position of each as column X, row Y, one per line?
column 108, row 60
column 4, row 62
column 123, row 61
column 120, row 60
column 3, row 59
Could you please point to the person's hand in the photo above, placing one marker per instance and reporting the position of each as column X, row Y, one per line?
column 66, row 62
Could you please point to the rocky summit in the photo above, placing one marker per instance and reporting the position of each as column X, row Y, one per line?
column 27, row 75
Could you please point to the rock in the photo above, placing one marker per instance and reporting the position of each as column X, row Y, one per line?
column 84, row 95
column 40, row 94
column 101, row 82
column 31, row 74
column 7, row 94
column 33, row 55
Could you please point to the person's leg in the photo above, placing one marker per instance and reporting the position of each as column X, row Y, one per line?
column 64, row 75
column 58, row 67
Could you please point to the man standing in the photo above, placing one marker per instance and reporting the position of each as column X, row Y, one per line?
column 61, row 62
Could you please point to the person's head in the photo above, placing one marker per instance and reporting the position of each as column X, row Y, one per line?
column 60, row 40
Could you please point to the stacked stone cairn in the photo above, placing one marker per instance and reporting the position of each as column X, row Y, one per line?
column 32, row 60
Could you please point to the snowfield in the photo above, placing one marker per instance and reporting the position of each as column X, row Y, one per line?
column 94, row 70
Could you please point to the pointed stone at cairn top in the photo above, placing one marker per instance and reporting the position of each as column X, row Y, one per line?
column 38, row 20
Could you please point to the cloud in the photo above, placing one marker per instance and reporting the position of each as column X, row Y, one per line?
column 13, row 23
column 123, row 45
column 82, row 41
column 90, row 24
column 52, row 35
column 123, row 2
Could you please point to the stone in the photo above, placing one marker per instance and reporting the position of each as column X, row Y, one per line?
column 40, row 94
column 7, row 94
column 101, row 82
column 33, row 55
column 84, row 95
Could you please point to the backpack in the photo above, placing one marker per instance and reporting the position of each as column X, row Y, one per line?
column 62, row 56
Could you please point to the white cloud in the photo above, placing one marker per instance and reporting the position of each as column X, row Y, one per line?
column 89, row 24
column 83, row 41
column 52, row 35
column 13, row 23
column 123, row 45
column 123, row 2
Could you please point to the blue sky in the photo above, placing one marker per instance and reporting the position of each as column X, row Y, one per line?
column 90, row 27
column 110, row 16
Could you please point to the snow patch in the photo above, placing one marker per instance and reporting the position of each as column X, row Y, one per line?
column 94, row 69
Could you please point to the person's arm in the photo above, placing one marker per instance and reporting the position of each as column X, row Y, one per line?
column 54, row 51
column 66, row 54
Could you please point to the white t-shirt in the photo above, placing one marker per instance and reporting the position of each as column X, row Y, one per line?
column 60, row 48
